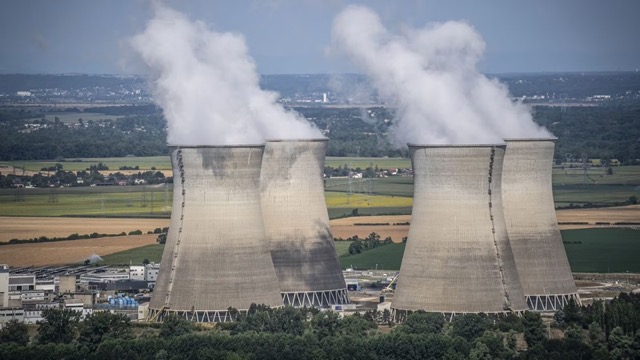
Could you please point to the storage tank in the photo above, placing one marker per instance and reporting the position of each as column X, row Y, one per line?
column 458, row 258
column 297, row 223
column 530, row 216
column 216, row 255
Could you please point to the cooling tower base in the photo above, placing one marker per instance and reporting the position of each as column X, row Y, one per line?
column 400, row 316
column 322, row 299
column 156, row 315
column 550, row 302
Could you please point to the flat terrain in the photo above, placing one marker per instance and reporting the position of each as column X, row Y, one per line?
column 30, row 227
column 152, row 252
column 69, row 252
column 612, row 215
column 347, row 227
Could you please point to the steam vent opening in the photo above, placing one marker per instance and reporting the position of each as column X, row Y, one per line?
column 216, row 255
column 297, row 224
column 532, row 226
column 458, row 258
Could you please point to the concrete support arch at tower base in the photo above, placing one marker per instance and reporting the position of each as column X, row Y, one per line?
column 548, row 302
column 321, row 299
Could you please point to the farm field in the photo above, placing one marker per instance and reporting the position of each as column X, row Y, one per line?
column 31, row 227
column 144, row 163
column 151, row 200
column 387, row 257
column 603, row 250
column 629, row 213
column 71, row 251
column 152, row 252
column 347, row 227
column 342, row 247
column 344, row 200
column 588, row 250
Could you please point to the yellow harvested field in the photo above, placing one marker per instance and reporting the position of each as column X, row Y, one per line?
column 30, row 227
column 629, row 213
column 69, row 252
column 345, row 227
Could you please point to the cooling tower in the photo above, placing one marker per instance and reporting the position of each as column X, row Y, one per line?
column 297, row 224
column 530, row 216
column 216, row 255
column 458, row 258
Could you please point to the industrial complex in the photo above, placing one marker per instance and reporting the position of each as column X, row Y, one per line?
column 249, row 225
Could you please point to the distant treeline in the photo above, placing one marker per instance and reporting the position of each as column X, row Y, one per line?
column 608, row 131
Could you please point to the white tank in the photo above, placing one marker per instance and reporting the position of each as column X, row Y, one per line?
column 530, row 216
column 216, row 255
column 458, row 258
column 297, row 223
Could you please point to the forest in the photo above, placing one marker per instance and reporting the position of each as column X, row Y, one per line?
column 607, row 131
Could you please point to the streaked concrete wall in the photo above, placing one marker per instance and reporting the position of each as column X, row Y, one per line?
column 530, row 216
column 295, row 216
column 216, row 255
column 458, row 258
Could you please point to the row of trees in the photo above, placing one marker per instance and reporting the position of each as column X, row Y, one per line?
column 589, row 332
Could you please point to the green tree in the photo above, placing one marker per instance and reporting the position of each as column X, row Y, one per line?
column 173, row 326
column 58, row 326
column 621, row 345
column 14, row 331
column 101, row 325
column 420, row 322
column 470, row 326
column 534, row 333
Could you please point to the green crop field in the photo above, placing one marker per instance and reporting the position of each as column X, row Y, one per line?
column 342, row 247
column 395, row 186
column 87, row 201
column 601, row 251
column 344, row 200
column 144, row 163
column 386, row 210
column 153, row 253
column 387, row 257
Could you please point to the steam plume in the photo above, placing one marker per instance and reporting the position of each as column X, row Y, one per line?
column 429, row 75
column 208, row 87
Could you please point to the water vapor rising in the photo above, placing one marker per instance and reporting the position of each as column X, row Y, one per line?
column 208, row 86
column 430, row 76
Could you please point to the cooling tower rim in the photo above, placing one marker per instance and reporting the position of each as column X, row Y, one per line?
column 450, row 146
column 297, row 140
column 552, row 138
column 176, row 146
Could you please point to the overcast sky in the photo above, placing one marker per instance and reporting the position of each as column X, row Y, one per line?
column 292, row 36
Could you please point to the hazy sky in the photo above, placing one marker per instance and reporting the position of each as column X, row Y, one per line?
column 292, row 36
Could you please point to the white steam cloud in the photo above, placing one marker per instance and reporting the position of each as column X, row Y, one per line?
column 430, row 76
column 208, row 86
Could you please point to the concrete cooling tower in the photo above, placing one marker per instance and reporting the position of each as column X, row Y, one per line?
column 458, row 258
column 216, row 255
column 530, row 216
column 297, row 224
